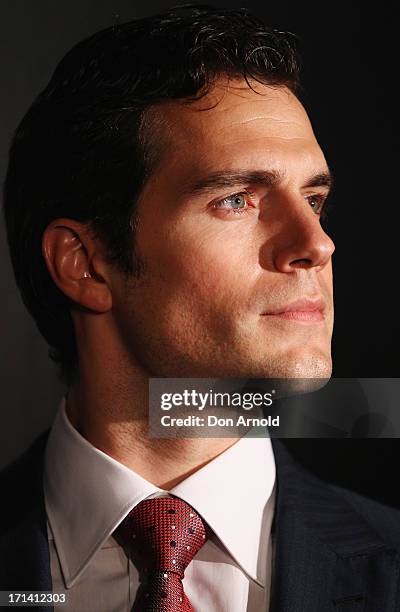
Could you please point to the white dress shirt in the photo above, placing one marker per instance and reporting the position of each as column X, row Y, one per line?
column 88, row 493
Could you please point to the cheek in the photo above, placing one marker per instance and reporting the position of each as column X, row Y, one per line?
column 212, row 266
column 327, row 275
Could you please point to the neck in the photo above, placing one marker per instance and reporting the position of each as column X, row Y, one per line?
column 113, row 416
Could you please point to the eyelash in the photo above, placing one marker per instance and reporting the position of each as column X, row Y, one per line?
column 321, row 198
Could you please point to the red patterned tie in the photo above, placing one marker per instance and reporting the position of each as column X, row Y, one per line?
column 163, row 535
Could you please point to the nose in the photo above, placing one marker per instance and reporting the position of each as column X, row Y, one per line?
column 301, row 242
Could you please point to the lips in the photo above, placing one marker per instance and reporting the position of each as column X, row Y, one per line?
column 305, row 309
column 303, row 305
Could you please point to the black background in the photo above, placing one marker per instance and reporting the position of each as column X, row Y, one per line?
column 350, row 76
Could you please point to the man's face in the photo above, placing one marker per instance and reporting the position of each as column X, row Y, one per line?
column 221, row 258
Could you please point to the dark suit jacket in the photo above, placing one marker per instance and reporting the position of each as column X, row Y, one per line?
column 335, row 550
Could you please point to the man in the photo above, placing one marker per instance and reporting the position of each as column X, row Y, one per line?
column 163, row 205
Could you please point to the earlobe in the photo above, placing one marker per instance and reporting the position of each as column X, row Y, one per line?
column 69, row 253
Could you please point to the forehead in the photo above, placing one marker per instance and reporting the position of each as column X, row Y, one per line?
column 234, row 123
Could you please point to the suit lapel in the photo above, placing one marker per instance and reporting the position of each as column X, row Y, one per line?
column 327, row 557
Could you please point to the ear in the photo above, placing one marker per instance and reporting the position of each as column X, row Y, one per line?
column 75, row 264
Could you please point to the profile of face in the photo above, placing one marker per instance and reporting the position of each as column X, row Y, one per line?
column 230, row 234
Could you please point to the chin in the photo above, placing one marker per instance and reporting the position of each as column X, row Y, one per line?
column 300, row 373
column 315, row 365
column 310, row 365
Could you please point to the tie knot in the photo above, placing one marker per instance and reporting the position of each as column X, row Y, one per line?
column 164, row 534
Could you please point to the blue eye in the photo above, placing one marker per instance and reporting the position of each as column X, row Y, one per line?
column 235, row 203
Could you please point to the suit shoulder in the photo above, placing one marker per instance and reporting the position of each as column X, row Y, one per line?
column 384, row 519
column 347, row 519
column 21, row 482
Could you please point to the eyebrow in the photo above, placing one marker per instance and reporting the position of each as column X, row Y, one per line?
column 266, row 178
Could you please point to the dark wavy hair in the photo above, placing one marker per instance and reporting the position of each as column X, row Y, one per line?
column 87, row 145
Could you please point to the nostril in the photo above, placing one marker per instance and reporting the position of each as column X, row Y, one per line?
column 301, row 263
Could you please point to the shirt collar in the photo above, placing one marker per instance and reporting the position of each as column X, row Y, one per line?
column 88, row 493
column 235, row 494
